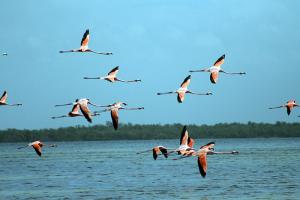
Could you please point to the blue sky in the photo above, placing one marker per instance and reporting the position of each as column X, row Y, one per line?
column 157, row 41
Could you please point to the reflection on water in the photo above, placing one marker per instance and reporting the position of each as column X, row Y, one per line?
column 264, row 169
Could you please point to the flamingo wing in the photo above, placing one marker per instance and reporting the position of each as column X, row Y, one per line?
column 38, row 148
column 85, row 39
column 202, row 164
column 164, row 151
column 288, row 110
column 114, row 71
column 214, row 77
column 186, row 82
column 220, row 61
column 208, row 145
column 180, row 97
column 155, row 152
column 184, row 136
column 86, row 111
column 3, row 97
column 191, row 142
column 115, row 118
column 75, row 108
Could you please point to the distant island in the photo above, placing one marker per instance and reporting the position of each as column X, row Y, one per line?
column 153, row 131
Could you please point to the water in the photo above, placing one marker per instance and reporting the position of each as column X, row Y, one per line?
column 264, row 169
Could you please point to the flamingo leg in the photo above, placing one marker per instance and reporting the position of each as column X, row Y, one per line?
column 139, row 108
column 240, row 73
column 130, row 81
column 190, row 92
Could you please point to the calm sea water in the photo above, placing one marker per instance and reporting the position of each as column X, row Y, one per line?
column 264, row 169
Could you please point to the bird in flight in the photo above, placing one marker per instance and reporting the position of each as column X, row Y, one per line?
column 186, row 143
column 202, row 153
column 156, row 151
column 83, row 105
column 3, row 100
column 84, row 46
column 289, row 106
column 114, row 111
column 183, row 90
column 215, row 69
column 37, row 146
column 74, row 112
column 186, row 146
column 112, row 77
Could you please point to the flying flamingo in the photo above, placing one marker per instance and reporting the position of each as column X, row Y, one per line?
column 74, row 112
column 186, row 146
column 83, row 105
column 202, row 153
column 4, row 98
column 156, row 151
column 84, row 45
column 37, row 146
column 215, row 69
column 289, row 106
column 186, row 143
column 114, row 108
column 112, row 77
column 183, row 90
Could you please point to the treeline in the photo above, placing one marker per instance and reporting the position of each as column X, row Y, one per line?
column 155, row 131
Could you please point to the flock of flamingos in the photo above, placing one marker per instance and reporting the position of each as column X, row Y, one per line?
column 81, row 109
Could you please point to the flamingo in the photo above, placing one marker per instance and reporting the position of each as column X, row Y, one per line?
column 185, row 145
column 84, row 45
column 289, row 106
column 74, row 112
column 112, row 77
column 183, row 90
column 202, row 153
column 114, row 109
column 215, row 69
column 37, row 146
column 83, row 105
column 156, row 151
column 3, row 100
